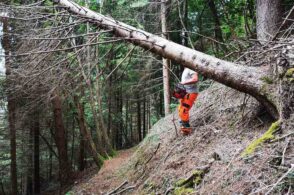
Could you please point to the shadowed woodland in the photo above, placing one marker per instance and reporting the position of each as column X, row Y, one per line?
column 82, row 80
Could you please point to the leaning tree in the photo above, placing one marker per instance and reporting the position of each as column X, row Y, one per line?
column 250, row 80
column 273, row 90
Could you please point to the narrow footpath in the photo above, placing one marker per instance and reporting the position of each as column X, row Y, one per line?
column 108, row 178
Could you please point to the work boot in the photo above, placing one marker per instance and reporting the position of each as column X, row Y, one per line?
column 185, row 128
column 184, row 123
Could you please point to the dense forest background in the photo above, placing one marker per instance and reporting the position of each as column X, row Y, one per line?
column 74, row 94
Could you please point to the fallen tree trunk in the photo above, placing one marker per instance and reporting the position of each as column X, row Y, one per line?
column 242, row 78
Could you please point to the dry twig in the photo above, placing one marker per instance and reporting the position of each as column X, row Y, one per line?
column 117, row 188
column 279, row 180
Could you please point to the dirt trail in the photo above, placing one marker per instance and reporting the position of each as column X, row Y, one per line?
column 108, row 177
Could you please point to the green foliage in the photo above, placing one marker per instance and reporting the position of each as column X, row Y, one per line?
column 139, row 3
column 94, row 5
column 48, row 3
column 121, row 2
column 173, row 106
column 267, row 79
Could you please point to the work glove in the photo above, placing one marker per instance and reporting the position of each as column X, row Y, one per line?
column 179, row 91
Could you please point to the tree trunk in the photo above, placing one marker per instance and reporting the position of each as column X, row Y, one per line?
column 28, row 179
column 98, row 118
column 217, row 25
column 185, row 23
column 60, row 140
column 268, row 15
column 50, row 161
column 144, row 116
column 99, row 131
column 81, row 159
column 120, row 117
column 127, row 118
column 13, row 167
column 165, row 65
column 160, row 107
column 128, row 138
column 2, row 191
column 11, row 108
column 242, row 78
column 72, row 159
column 102, row 127
column 36, row 177
column 148, row 115
column 109, row 117
column 110, row 94
column 87, row 135
column 132, row 128
column 139, row 118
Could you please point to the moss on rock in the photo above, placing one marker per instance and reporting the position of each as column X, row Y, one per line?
column 289, row 76
column 290, row 72
column 180, row 182
column 291, row 80
column 183, row 191
column 194, row 179
column 185, row 186
column 268, row 135
column 198, row 176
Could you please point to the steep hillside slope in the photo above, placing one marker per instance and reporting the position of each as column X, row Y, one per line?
column 210, row 160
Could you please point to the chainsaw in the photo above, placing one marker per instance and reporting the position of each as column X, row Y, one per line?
column 179, row 91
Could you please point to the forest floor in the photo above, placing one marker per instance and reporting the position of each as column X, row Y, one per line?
column 108, row 176
column 210, row 160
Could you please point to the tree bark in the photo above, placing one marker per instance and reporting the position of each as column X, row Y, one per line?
column 131, row 127
column 149, row 115
column 87, row 135
column 139, row 118
column 60, row 140
column 13, row 165
column 217, row 25
column 11, row 107
column 72, row 159
column 81, row 161
column 28, row 179
column 127, row 117
column 144, row 116
column 120, row 117
column 50, row 168
column 36, row 177
column 2, row 191
column 242, row 78
column 165, row 65
column 185, row 23
column 102, row 126
column 109, row 99
column 268, row 15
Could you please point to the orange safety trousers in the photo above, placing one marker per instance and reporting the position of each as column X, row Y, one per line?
column 185, row 105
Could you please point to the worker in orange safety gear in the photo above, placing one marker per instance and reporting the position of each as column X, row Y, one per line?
column 190, row 82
